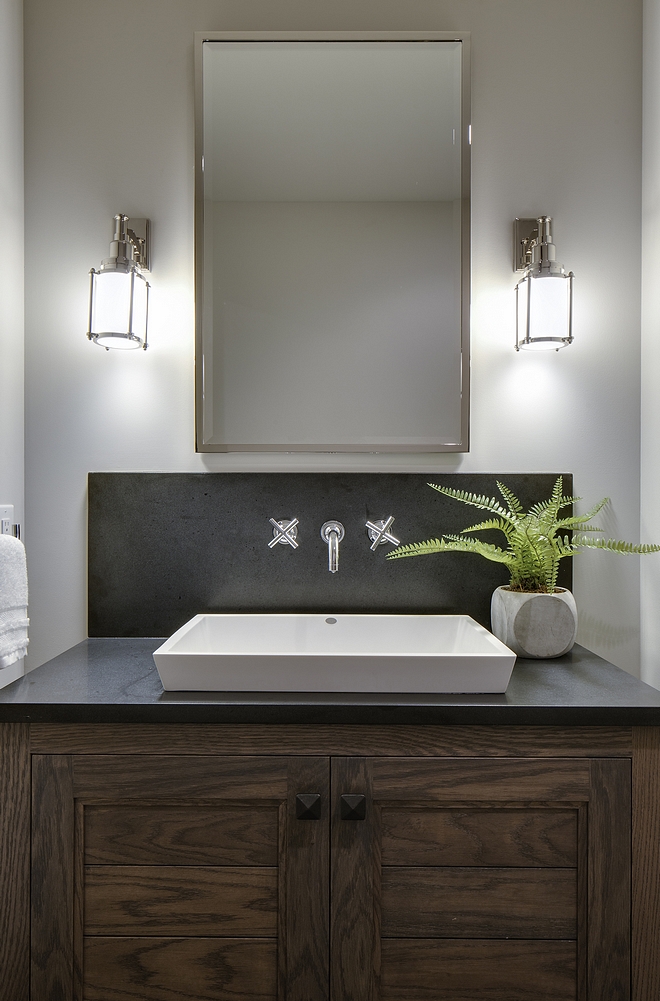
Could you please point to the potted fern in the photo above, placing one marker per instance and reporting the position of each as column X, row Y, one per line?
column 531, row 615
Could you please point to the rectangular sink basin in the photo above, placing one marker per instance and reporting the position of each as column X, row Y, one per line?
column 334, row 653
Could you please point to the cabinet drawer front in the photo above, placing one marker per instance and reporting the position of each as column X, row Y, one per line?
column 477, row 971
column 479, row 837
column 178, row 835
column 479, row 903
column 180, row 900
column 170, row 969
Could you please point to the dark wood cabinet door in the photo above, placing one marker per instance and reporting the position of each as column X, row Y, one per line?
column 158, row 878
column 480, row 880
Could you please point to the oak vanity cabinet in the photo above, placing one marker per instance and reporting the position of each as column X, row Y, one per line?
column 316, row 876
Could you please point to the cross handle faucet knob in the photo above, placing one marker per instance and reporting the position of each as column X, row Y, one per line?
column 379, row 533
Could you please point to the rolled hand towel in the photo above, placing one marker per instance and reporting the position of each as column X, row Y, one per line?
column 13, row 600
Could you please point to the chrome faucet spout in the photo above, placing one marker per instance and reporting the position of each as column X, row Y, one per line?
column 332, row 533
column 333, row 552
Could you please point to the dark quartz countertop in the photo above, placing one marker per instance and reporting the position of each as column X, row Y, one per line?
column 106, row 680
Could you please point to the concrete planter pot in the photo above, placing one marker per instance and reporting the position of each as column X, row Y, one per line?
column 534, row 624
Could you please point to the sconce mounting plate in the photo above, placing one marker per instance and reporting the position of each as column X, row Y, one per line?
column 139, row 233
column 524, row 231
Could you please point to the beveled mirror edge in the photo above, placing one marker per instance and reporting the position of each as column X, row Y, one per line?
column 339, row 36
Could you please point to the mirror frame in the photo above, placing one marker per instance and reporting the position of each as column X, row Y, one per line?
column 336, row 36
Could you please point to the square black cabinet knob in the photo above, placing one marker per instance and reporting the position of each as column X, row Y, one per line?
column 308, row 806
column 353, row 807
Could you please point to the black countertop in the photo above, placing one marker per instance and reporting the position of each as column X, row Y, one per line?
column 115, row 681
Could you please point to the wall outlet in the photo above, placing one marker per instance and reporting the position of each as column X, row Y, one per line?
column 6, row 519
column 7, row 525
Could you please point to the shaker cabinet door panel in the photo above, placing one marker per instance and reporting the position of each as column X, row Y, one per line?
column 481, row 880
column 180, row 900
column 184, row 878
column 169, row 969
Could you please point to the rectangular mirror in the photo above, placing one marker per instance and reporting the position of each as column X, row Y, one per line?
column 332, row 242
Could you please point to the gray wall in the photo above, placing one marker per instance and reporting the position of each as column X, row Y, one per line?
column 11, row 269
column 650, row 473
column 556, row 129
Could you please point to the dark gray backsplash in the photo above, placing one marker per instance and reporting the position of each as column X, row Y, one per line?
column 166, row 546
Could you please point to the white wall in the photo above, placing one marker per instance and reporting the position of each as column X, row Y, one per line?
column 650, row 471
column 11, row 267
column 556, row 129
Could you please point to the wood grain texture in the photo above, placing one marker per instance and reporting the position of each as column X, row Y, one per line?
column 479, row 837
column 474, row 970
column 646, row 864
column 421, row 741
column 306, row 865
column 181, row 900
column 281, row 901
column 104, row 778
column 480, row 779
column 173, row 969
column 53, row 948
column 479, row 903
column 583, row 902
column 14, row 862
column 78, row 898
column 181, row 835
column 355, row 887
column 609, row 880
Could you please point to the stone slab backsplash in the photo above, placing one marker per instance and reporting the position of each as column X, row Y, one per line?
column 166, row 546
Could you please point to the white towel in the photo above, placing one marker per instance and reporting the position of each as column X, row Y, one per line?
column 13, row 601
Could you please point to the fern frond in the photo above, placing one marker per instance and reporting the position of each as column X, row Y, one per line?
column 577, row 523
column 564, row 547
column 514, row 504
column 548, row 519
column 595, row 509
column 536, row 510
column 541, row 506
column 452, row 544
column 476, row 500
column 551, row 576
column 499, row 523
column 458, row 544
column 615, row 545
column 417, row 549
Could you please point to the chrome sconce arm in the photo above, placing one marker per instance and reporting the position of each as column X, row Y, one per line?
column 544, row 295
column 119, row 292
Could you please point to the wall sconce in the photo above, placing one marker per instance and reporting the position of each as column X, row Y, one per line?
column 544, row 295
column 119, row 292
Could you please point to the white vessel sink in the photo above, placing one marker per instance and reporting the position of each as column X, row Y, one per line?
column 334, row 653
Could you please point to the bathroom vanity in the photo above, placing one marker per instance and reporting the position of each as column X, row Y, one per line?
column 196, row 846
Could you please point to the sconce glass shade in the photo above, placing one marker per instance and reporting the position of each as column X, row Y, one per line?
column 118, row 309
column 544, row 311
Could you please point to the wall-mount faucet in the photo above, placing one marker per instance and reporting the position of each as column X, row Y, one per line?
column 379, row 533
column 332, row 532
